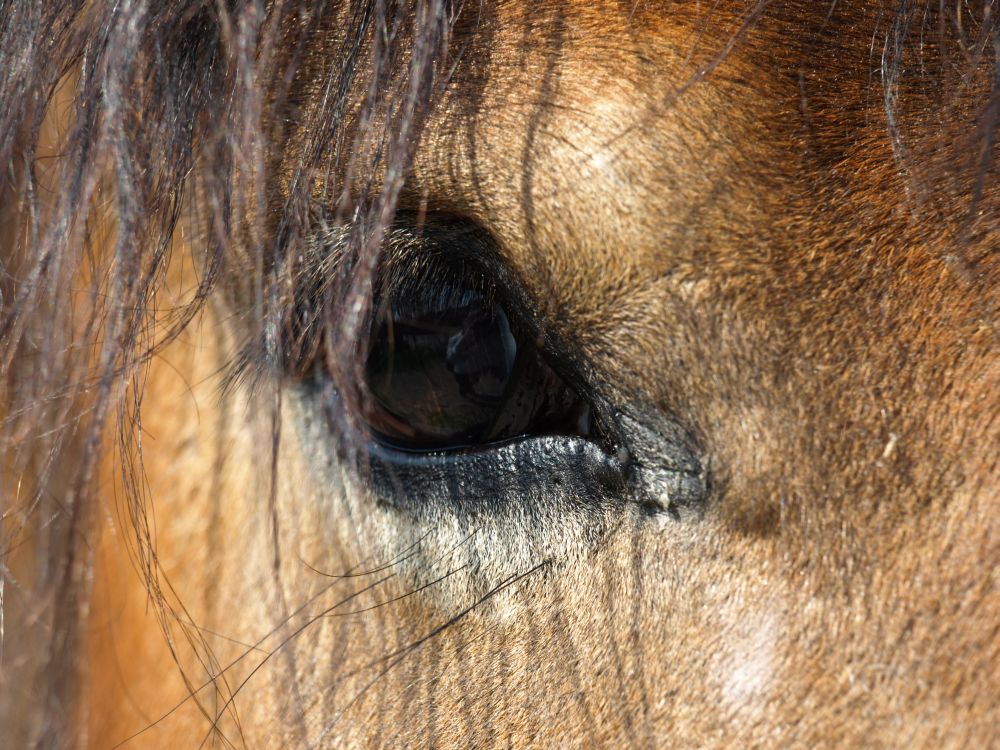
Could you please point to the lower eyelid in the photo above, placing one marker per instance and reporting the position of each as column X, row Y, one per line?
column 520, row 470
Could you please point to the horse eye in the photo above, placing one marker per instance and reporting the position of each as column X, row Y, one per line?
column 448, row 367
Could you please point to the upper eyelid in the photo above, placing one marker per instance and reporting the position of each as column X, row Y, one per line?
column 411, row 247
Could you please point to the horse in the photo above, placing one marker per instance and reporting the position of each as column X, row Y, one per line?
column 555, row 373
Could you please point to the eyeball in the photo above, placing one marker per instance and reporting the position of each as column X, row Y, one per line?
column 448, row 367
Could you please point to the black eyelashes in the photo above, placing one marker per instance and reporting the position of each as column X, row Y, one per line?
column 452, row 357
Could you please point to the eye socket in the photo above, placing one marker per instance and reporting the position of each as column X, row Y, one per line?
column 467, row 407
column 449, row 366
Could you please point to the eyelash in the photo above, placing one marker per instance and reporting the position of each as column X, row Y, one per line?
column 446, row 312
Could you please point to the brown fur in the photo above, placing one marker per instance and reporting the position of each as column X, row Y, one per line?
column 734, row 235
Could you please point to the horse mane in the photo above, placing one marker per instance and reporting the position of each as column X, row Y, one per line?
column 121, row 121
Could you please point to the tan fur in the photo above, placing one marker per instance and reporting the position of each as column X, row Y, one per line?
column 747, row 252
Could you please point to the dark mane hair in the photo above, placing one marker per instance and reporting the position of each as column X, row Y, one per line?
column 119, row 122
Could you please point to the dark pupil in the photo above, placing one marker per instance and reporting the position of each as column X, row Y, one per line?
column 439, row 367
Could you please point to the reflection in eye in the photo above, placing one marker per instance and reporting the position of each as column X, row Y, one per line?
column 448, row 368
